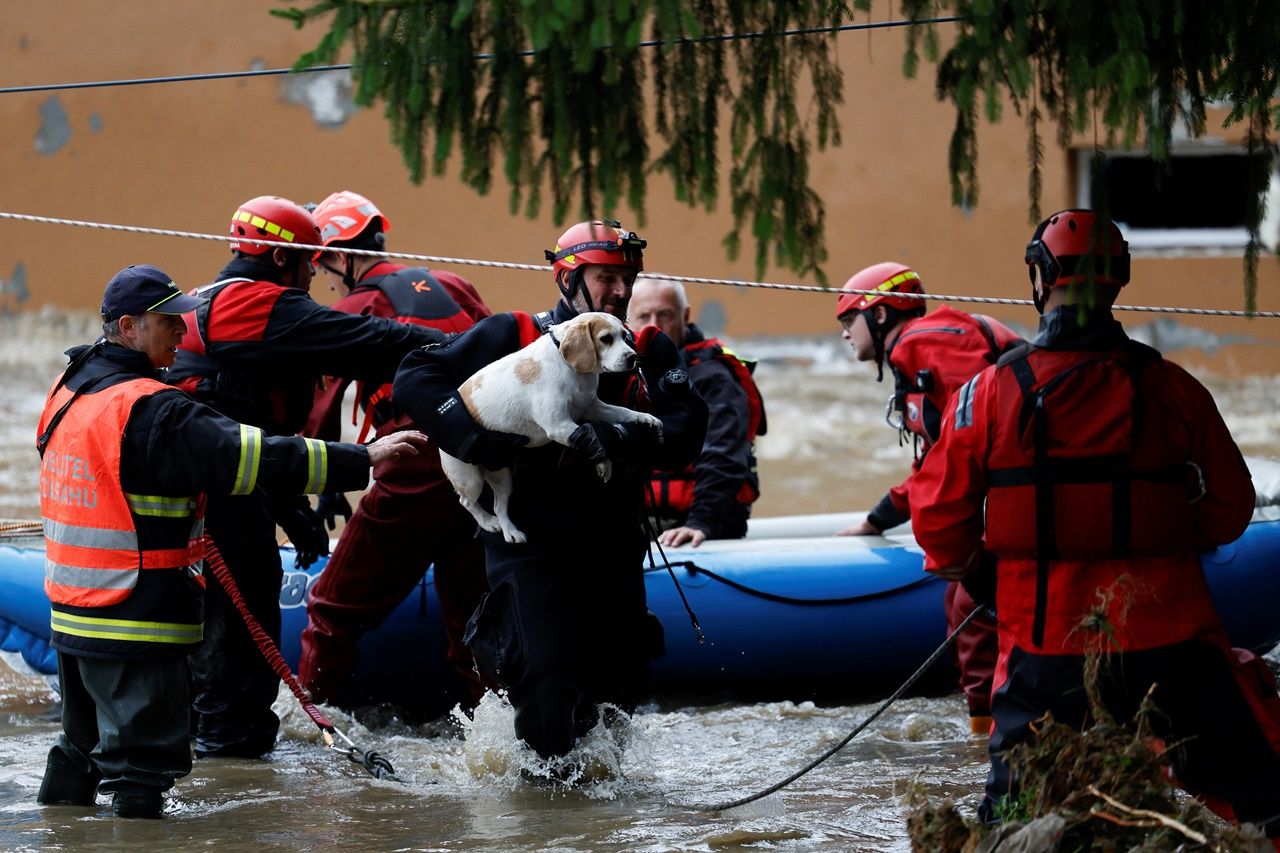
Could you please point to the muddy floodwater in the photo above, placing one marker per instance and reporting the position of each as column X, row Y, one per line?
column 827, row 450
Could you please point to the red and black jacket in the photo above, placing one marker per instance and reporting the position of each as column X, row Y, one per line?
column 931, row 358
column 414, row 295
column 715, row 493
column 1096, row 470
column 256, row 350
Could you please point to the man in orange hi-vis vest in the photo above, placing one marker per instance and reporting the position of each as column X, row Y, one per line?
column 126, row 462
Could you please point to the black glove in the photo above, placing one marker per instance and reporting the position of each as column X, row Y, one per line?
column 600, row 440
column 304, row 529
column 981, row 584
column 491, row 449
column 330, row 505
column 658, row 353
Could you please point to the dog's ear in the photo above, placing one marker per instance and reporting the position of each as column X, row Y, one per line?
column 578, row 347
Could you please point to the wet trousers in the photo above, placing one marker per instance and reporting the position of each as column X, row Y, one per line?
column 125, row 729
column 1219, row 715
column 573, row 632
column 976, row 650
column 234, row 686
column 409, row 520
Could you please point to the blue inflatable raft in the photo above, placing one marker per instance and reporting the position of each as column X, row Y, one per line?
column 789, row 612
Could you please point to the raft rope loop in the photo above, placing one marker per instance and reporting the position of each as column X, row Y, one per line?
column 542, row 268
column 897, row 694
column 370, row 760
column 20, row 529
column 267, row 72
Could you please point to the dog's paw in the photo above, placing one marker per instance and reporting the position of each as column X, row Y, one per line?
column 514, row 535
column 485, row 519
column 604, row 468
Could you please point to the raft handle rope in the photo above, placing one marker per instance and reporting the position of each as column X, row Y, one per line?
column 655, row 276
column 694, row 568
column 897, row 694
column 370, row 760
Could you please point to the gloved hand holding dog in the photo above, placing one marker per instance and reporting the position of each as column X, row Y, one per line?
column 620, row 443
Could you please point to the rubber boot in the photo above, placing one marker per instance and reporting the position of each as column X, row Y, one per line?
column 138, row 804
column 65, row 784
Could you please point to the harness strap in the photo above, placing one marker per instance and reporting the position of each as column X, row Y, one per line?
column 42, row 441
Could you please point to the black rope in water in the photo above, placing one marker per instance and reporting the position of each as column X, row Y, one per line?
column 897, row 694
column 266, row 72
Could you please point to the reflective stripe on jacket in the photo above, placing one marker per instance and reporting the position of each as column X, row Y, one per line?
column 95, row 550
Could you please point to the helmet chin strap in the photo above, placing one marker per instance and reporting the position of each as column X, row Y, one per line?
column 577, row 283
column 879, row 331
column 349, row 271
column 1039, row 296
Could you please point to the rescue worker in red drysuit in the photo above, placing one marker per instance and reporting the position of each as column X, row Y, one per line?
column 1104, row 470
column 126, row 461
column 255, row 352
column 565, row 627
column 712, row 498
column 931, row 357
column 410, row 517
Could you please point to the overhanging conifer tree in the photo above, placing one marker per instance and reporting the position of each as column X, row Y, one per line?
column 584, row 99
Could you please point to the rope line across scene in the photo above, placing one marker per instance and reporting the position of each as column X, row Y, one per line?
column 509, row 265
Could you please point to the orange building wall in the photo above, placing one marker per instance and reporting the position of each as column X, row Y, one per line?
column 184, row 155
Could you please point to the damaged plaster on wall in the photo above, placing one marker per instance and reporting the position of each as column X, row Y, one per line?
column 327, row 94
column 55, row 127
column 13, row 290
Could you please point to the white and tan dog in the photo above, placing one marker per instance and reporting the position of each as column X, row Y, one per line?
column 542, row 392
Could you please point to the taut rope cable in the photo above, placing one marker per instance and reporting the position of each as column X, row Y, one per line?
column 897, row 694
column 542, row 268
column 266, row 72
column 370, row 760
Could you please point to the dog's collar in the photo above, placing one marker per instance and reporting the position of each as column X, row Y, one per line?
column 554, row 339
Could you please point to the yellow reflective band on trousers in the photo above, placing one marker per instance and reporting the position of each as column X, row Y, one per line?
column 160, row 506
column 250, row 457
column 317, row 466
column 128, row 630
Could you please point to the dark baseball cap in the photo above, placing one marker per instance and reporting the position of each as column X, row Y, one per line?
column 140, row 288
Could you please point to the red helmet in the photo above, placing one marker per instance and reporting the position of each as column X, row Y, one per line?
column 887, row 278
column 599, row 242
column 274, row 219
column 1075, row 245
column 345, row 215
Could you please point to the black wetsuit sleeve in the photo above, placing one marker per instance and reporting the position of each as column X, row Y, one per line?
column 426, row 386
column 725, row 461
column 303, row 335
column 684, row 424
column 179, row 446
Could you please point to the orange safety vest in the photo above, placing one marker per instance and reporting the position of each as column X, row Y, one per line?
column 671, row 494
column 93, row 554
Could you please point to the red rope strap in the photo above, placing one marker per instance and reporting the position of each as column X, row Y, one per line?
column 266, row 645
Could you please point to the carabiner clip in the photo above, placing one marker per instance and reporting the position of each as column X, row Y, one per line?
column 890, row 410
column 1199, row 482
